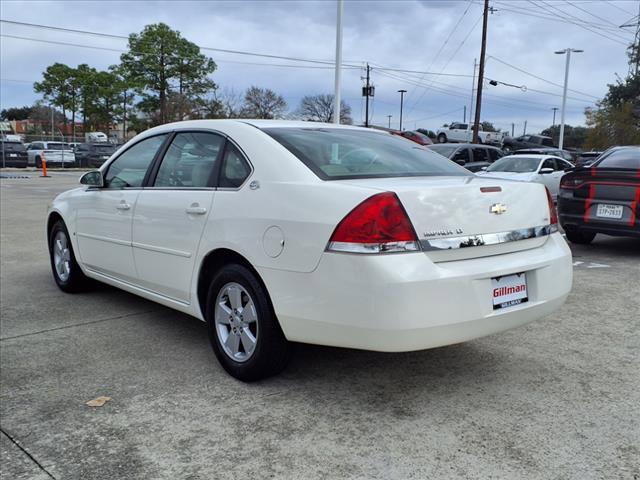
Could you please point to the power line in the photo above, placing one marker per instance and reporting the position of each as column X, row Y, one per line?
column 122, row 37
column 389, row 69
column 568, row 19
column 444, row 44
column 610, row 2
column 95, row 47
column 449, row 60
column 540, row 78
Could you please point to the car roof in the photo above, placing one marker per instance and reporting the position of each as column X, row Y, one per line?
column 539, row 156
column 471, row 145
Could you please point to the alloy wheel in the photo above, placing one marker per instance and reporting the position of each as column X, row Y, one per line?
column 236, row 322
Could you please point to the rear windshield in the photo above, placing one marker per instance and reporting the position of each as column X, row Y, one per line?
column 104, row 148
column 58, row 146
column 444, row 150
column 335, row 154
column 517, row 164
column 623, row 158
column 13, row 146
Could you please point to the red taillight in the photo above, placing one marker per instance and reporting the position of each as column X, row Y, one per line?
column 571, row 182
column 379, row 224
column 553, row 214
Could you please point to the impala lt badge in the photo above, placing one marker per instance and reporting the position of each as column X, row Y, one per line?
column 498, row 208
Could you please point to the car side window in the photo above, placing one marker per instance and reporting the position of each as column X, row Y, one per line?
column 547, row 142
column 480, row 154
column 494, row 154
column 190, row 160
column 549, row 163
column 235, row 169
column 462, row 155
column 130, row 168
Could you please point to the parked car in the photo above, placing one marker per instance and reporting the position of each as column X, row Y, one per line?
column 460, row 132
column 471, row 156
column 276, row 232
column 510, row 144
column 12, row 154
column 556, row 152
column 585, row 159
column 93, row 154
column 543, row 169
column 53, row 152
column 602, row 198
column 429, row 133
column 417, row 137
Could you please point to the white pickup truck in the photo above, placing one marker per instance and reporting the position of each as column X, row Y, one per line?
column 460, row 132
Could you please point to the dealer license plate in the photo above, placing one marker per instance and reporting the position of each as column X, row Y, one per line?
column 509, row 290
column 609, row 211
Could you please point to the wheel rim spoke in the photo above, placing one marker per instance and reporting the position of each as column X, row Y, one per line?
column 249, row 313
column 248, row 340
column 61, row 256
column 235, row 297
column 233, row 344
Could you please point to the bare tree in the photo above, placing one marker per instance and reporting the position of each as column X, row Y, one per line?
column 319, row 108
column 263, row 103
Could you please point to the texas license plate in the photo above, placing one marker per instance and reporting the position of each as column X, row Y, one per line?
column 509, row 290
column 609, row 211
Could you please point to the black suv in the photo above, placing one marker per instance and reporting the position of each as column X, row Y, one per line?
column 526, row 141
column 471, row 156
column 12, row 154
column 93, row 154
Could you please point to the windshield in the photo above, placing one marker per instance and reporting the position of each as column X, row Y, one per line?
column 445, row 150
column 13, row 146
column 104, row 148
column 336, row 153
column 58, row 146
column 517, row 164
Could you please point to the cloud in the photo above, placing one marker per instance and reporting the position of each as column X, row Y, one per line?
column 401, row 34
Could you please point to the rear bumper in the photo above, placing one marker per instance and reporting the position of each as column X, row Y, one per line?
column 572, row 217
column 406, row 302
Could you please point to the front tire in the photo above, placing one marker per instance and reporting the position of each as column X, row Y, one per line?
column 243, row 330
column 582, row 238
column 66, row 271
column 442, row 138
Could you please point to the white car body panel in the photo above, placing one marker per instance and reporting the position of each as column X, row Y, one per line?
column 280, row 221
column 57, row 156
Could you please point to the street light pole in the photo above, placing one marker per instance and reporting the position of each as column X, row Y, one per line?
column 338, row 77
column 389, row 117
column 401, row 92
column 564, row 93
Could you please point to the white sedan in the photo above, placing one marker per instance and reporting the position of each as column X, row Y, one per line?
column 277, row 232
column 544, row 169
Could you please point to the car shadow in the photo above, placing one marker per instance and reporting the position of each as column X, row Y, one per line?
column 616, row 247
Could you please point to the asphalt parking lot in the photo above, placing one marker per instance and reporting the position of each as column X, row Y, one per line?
column 557, row 399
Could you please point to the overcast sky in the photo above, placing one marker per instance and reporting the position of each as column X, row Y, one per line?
column 434, row 36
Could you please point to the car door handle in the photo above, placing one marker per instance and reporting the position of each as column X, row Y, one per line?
column 196, row 210
column 123, row 206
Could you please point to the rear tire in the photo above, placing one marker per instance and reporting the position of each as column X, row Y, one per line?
column 66, row 271
column 243, row 330
column 442, row 138
column 582, row 238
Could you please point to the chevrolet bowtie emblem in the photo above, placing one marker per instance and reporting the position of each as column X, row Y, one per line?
column 498, row 208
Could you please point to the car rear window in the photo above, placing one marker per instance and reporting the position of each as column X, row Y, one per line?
column 13, row 146
column 337, row 154
column 58, row 146
column 623, row 158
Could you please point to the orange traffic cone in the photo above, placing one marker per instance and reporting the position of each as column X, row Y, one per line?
column 44, row 167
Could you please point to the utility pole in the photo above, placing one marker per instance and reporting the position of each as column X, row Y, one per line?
column 367, row 94
column 52, row 112
column 124, row 117
column 464, row 115
column 566, row 51
column 555, row 109
column 524, row 132
column 338, row 76
column 389, row 117
column 513, row 126
column 473, row 86
column 401, row 92
column 483, row 49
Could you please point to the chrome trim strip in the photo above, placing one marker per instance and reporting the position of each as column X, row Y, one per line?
column 486, row 238
column 104, row 239
column 154, row 248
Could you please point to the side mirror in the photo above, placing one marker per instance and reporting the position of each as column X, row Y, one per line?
column 92, row 179
column 545, row 171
